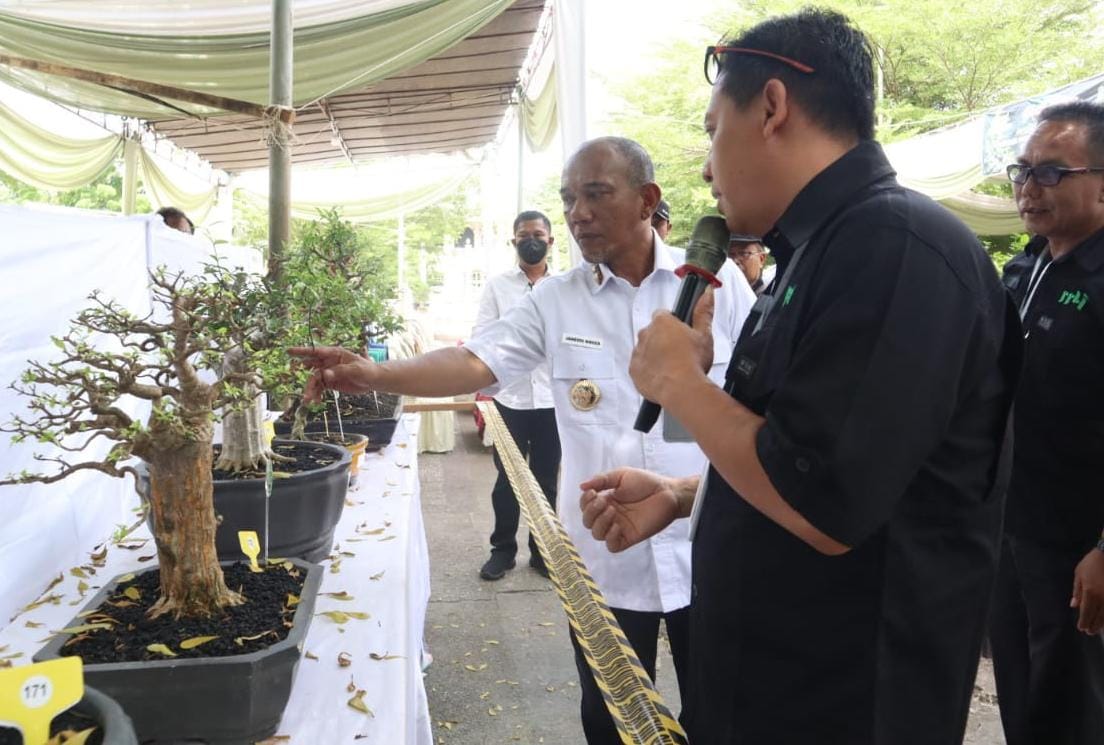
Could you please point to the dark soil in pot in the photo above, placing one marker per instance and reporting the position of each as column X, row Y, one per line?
column 256, row 624
column 305, row 457
column 349, row 440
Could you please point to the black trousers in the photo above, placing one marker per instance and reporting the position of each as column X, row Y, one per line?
column 642, row 630
column 1050, row 676
column 534, row 431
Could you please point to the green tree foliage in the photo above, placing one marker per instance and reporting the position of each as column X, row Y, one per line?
column 942, row 61
column 426, row 231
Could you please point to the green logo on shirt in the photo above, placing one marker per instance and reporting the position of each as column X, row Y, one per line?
column 1073, row 298
column 788, row 296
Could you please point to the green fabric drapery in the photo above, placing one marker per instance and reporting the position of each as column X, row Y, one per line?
column 164, row 191
column 538, row 115
column 328, row 58
column 363, row 209
column 49, row 161
column 984, row 214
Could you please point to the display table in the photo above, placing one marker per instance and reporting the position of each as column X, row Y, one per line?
column 384, row 566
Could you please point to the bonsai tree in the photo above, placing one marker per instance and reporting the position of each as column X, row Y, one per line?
column 110, row 355
column 210, row 346
column 333, row 291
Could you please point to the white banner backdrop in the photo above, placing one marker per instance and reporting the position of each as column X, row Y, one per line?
column 51, row 259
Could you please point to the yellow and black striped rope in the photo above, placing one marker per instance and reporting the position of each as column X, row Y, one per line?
column 636, row 706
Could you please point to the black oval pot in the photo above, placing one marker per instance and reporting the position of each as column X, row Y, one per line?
column 223, row 700
column 117, row 727
column 303, row 513
column 114, row 725
column 379, row 431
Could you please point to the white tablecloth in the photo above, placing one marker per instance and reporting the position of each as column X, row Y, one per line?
column 388, row 578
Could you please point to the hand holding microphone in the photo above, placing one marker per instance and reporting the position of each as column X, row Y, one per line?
column 705, row 256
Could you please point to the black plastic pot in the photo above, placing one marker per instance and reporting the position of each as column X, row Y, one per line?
column 379, row 431
column 303, row 513
column 224, row 700
column 117, row 727
column 94, row 708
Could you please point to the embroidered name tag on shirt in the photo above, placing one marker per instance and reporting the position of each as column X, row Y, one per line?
column 582, row 341
column 745, row 366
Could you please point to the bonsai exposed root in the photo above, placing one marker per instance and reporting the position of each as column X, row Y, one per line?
column 194, row 607
column 246, row 465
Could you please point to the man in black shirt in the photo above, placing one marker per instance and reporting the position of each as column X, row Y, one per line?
column 1048, row 650
column 847, row 533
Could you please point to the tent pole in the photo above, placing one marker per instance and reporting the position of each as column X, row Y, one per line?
column 279, row 155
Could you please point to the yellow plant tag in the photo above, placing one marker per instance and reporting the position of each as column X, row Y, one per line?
column 269, row 430
column 32, row 695
column 250, row 546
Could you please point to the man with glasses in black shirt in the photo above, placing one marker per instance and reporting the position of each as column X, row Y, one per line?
column 1048, row 650
column 846, row 534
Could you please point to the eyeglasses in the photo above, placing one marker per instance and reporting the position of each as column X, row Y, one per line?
column 1045, row 175
column 747, row 253
column 713, row 60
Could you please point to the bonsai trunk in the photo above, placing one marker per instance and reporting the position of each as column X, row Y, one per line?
column 184, row 528
column 243, row 444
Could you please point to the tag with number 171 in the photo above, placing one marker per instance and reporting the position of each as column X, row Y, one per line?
column 32, row 695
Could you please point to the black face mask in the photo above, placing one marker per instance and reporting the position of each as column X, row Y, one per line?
column 532, row 250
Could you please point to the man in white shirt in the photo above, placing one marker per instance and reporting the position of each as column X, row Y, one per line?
column 750, row 257
column 584, row 323
column 526, row 403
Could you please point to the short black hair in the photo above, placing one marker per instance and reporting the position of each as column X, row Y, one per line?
column 174, row 213
column 528, row 215
column 1086, row 113
column 640, row 168
column 838, row 95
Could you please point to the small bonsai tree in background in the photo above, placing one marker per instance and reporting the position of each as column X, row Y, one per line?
column 332, row 291
column 110, row 355
column 328, row 291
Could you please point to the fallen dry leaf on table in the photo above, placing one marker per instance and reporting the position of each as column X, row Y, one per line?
column 310, row 655
column 375, row 656
column 344, row 659
column 357, row 702
column 78, row 572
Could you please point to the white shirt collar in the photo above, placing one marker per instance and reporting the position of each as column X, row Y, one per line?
column 663, row 262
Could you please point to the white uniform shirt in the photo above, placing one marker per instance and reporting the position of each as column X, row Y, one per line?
column 503, row 292
column 585, row 322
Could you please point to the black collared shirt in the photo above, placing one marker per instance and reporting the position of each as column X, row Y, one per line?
column 885, row 372
column 1057, row 491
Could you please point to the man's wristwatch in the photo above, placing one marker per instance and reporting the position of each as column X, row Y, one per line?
column 1100, row 544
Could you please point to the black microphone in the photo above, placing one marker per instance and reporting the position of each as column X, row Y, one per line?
column 705, row 256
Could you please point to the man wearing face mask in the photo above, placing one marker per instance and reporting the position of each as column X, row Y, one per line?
column 525, row 403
